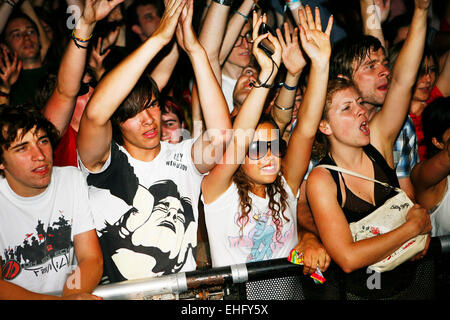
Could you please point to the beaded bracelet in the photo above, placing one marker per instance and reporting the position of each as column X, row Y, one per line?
column 282, row 108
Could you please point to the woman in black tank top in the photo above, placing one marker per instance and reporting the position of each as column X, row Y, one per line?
column 337, row 199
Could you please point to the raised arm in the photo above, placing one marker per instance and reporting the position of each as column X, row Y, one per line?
column 60, row 106
column 294, row 62
column 220, row 177
column 95, row 133
column 212, row 32
column 317, row 46
column 373, row 14
column 387, row 123
column 212, row 102
column 443, row 81
column 6, row 8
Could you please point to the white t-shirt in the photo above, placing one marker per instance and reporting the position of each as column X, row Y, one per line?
column 259, row 238
column 36, row 233
column 146, row 213
column 227, row 89
column 440, row 217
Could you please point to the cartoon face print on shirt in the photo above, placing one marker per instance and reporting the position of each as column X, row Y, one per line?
column 156, row 235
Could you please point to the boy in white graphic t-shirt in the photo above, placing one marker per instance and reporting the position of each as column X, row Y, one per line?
column 48, row 242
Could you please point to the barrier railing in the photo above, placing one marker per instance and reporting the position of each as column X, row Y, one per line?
column 189, row 285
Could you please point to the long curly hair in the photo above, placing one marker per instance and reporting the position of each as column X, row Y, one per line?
column 277, row 207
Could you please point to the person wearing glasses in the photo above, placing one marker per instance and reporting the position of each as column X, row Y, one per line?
column 250, row 197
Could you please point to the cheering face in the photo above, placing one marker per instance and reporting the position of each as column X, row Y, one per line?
column 347, row 120
column 28, row 162
column 263, row 160
column 372, row 77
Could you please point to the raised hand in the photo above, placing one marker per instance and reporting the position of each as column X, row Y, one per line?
column 186, row 37
column 96, row 10
column 267, row 64
column 9, row 70
column 315, row 42
column 169, row 20
column 96, row 58
column 291, row 55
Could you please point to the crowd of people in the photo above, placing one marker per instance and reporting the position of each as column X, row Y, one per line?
column 142, row 138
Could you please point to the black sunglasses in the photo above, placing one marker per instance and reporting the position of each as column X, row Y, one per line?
column 258, row 149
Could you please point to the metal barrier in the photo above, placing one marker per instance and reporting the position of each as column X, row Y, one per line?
column 190, row 285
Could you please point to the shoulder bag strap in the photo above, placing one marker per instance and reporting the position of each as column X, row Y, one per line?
column 356, row 175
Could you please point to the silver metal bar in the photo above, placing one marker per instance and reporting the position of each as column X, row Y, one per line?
column 143, row 289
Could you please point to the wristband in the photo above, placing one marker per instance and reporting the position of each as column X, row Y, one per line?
column 227, row 3
column 80, row 39
column 282, row 108
column 242, row 15
column 289, row 87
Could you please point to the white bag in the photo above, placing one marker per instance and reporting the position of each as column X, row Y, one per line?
column 391, row 215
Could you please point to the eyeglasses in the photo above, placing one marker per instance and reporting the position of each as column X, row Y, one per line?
column 258, row 149
column 84, row 87
column 247, row 36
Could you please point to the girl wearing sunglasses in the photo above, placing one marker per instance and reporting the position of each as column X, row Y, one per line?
column 250, row 198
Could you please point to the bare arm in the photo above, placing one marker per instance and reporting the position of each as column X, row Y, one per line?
column 387, row 123
column 211, row 35
column 163, row 71
column 294, row 62
column 95, row 133
column 443, row 81
column 373, row 14
column 5, row 11
column 317, row 45
column 88, row 274
column 427, row 174
column 212, row 102
column 60, row 106
column 335, row 232
column 90, row 264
